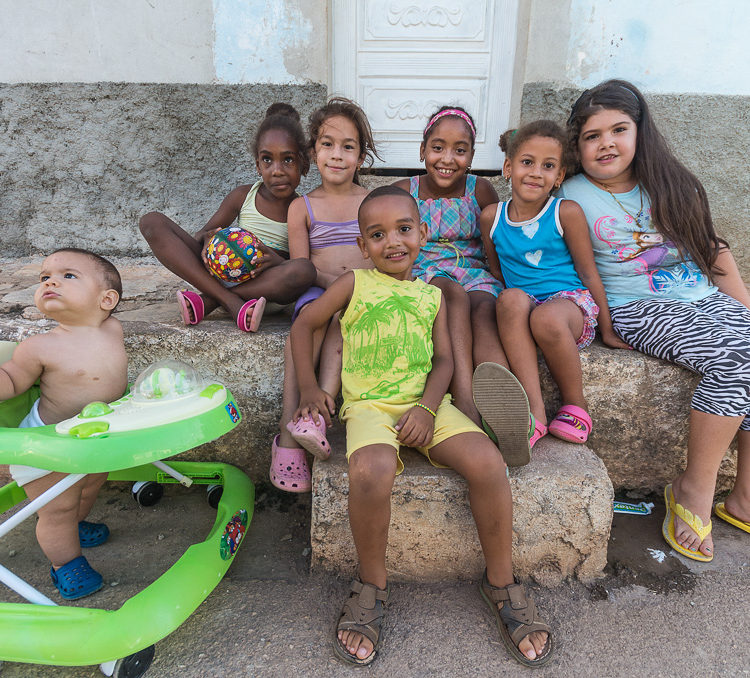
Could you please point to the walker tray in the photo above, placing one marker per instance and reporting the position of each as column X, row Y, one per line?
column 123, row 438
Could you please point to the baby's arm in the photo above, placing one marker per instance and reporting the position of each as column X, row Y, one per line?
column 576, row 235
column 486, row 219
column 729, row 281
column 314, row 400
column 18, row 374
column 417, row 425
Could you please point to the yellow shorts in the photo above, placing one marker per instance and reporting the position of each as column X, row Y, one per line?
column 372, row 422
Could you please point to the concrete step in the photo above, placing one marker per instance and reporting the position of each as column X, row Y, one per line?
column 562, row 512
column 639, row 404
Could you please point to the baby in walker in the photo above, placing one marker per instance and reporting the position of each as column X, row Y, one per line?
column 80, row 361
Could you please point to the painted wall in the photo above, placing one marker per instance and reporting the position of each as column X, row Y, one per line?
column 662, row 45
column 169, row 41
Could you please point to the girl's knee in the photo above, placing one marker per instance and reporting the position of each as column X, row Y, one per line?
column 454, row 293
column 547, row 323
column 513, row 302
column 150, row 223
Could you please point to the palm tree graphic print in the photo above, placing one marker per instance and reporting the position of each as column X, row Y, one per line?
column 390, row 342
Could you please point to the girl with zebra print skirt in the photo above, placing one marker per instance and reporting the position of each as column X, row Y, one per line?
column 674, row 292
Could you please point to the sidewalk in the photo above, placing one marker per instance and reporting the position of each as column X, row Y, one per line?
column 270, row 618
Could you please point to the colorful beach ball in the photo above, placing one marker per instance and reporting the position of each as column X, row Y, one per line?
column 230, row 252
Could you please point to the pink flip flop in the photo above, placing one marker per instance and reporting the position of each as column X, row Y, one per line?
column 258, row 305
column 538, row 430
column 289, row 470
column 311, row 436
column 190, row 301
column 571, row 423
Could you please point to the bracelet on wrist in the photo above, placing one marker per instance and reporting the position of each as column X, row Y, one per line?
column 424, row 407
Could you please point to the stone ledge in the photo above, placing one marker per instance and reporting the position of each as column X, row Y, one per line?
column 562, row 512
column 639, row 404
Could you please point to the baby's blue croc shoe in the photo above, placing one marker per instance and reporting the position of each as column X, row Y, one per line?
column 76, row 579
column 92, row 534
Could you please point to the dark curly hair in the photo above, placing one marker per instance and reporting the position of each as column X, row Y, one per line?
column 284, row 117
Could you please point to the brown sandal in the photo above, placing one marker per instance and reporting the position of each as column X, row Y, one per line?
column 362, row 613
column 516, row 620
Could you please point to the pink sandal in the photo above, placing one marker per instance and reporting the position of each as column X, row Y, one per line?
column 537, row 430
column 289, row 470
column 571, row 423
column 258, row 305
column 311, row 436
column 190, row 302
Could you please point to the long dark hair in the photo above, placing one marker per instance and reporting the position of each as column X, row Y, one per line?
column 679, row 205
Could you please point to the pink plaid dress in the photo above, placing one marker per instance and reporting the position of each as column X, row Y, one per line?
column 454, row 245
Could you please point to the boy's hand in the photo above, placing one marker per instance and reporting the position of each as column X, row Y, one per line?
column 268, row 259
column 611, row 339
column 415, row 428
column 314, row 403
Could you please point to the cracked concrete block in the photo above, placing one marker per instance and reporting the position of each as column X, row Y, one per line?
column 562, row 512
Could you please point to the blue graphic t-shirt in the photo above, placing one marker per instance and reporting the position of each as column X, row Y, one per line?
column 633, row 259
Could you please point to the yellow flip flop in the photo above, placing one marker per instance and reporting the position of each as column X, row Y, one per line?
column 694, row 523
column 721, row 511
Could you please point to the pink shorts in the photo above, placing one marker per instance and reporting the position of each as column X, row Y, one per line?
column 583, row 299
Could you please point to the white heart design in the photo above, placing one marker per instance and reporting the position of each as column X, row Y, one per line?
column 533, row 257
column 529, row 230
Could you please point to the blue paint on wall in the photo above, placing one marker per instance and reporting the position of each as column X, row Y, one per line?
column 252, row 37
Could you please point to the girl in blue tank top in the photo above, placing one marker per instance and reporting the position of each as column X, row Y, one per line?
column 539, row 248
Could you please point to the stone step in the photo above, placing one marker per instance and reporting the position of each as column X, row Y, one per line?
column 562, row 512
column 639, row 404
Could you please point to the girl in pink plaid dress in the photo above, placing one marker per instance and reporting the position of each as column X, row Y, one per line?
column 450, row 201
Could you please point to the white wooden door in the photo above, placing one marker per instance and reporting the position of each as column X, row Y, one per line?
column 403, row 59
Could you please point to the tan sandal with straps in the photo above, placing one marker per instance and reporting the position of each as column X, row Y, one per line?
column 516, row 619
column 362, row 613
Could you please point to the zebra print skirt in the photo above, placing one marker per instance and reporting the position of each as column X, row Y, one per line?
column 710, row 337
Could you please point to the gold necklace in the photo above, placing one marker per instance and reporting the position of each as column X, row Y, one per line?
column 636, row 218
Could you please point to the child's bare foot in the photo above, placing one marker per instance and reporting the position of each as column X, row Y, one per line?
column 699, row 505
column 358, row 630
column 738, row 506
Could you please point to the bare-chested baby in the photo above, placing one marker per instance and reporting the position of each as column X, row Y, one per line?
column 80, row 361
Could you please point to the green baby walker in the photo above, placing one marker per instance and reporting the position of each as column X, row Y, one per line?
column 168, row 410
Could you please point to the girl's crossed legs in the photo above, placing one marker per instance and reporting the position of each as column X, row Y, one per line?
column 372, row 470
column 181, row 254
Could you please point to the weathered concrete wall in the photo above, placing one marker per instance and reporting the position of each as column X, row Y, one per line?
column 707, row 132
column 80, row 163
column 686, row 46
column 185, row 41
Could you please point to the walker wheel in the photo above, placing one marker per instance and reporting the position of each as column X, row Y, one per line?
column 134, row 665
column 147, row 492
column 214, row 493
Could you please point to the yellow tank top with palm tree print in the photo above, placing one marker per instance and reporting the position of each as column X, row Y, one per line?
column 387, row 331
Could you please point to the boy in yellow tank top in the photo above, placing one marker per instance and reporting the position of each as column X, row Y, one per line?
column 397, row 364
